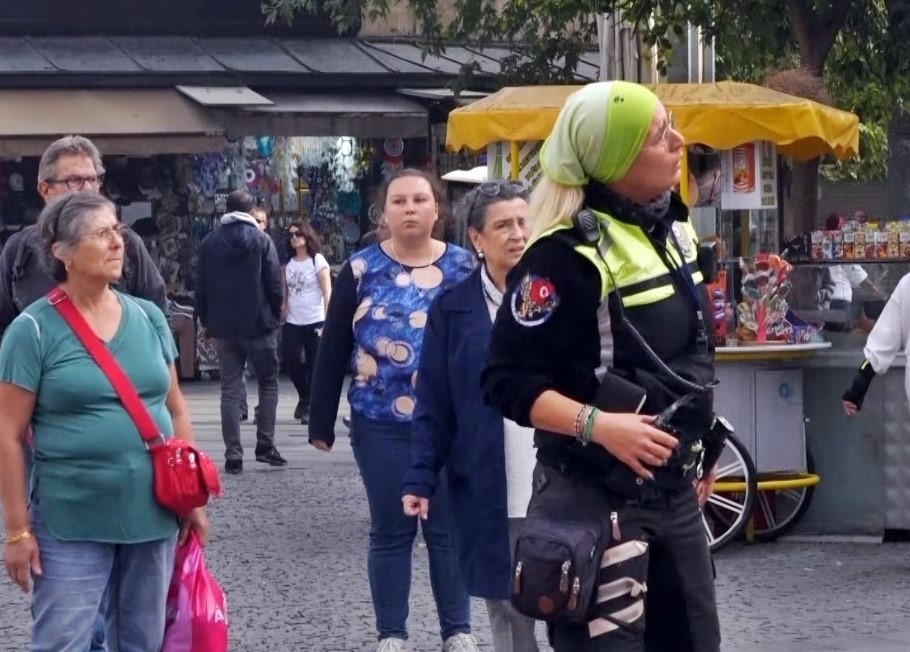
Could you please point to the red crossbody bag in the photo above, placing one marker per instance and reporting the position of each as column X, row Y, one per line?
column 184, row 476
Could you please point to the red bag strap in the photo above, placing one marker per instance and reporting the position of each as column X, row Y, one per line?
column 125, row 389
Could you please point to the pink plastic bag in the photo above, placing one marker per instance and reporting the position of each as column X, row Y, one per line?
column 196, row 608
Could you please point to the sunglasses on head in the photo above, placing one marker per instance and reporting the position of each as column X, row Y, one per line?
column 496, row 188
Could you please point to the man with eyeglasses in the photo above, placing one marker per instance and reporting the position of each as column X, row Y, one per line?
column 68, row 164
column 72, row 163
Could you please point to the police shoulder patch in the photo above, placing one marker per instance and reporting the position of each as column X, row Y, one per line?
column 534, row 300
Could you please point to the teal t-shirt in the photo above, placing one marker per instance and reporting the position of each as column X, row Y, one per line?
column 93, row 475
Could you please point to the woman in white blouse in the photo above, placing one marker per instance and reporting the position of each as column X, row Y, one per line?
column 307, row 289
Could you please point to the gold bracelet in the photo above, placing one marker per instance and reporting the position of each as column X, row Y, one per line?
column 16, row 538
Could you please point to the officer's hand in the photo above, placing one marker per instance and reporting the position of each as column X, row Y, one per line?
column 321, row 445
column 850, row 408
column 632, row 440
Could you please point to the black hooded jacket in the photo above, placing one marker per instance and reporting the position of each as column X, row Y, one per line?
column 239, row 290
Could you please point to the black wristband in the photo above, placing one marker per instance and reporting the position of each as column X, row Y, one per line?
column 861, row 381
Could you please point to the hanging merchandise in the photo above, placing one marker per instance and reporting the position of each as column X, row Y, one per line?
column 349, row 203
column 316, row 151
column 148, row 182
column 285, row 161
column 344, row 164
column 350, row 232
column 210, row 172
column 365, row 155
column 393, row 150
column 265, row 145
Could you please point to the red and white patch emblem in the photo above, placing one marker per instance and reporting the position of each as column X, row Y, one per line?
column 534, row 300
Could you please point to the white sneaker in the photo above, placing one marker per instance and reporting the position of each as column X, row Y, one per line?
column 391, row 645
column 460, row 643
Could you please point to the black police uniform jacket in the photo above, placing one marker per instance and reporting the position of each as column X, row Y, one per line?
column 559, row 329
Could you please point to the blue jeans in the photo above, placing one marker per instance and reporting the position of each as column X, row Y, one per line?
column 131, row 580
column 383, row 453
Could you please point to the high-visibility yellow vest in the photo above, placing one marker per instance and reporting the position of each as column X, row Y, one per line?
column 640, row 275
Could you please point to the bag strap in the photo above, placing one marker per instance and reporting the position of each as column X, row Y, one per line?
column 125, row 389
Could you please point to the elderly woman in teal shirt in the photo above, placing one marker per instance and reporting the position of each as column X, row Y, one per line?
column 88, row 529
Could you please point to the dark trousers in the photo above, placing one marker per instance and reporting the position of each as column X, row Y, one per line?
column 298, row 350
column 383, row 453
column 262, row 352
column 662, row 546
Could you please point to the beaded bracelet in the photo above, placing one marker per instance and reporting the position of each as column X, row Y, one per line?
column 16, row 538
column 580, row 422
column 589, row 425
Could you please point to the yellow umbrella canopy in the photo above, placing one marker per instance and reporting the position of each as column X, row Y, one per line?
column 721, row 115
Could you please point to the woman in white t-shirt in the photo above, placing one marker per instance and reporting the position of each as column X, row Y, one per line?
column 307, row 288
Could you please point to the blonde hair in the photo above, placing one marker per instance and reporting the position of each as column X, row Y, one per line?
column 553, row 203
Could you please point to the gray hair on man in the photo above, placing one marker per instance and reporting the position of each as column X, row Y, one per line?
column 63, row 222
column 68, row 146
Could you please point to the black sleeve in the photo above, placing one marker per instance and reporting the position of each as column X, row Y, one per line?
column 8, row 310
column 271, row 277
column 333, row 356
column 551, row 293
column 202, row 311
column 856, row 393
column 144, row 280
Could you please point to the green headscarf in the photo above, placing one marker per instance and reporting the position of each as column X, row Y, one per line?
column 598, row 133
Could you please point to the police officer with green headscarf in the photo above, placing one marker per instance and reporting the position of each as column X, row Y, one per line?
column 602, row 328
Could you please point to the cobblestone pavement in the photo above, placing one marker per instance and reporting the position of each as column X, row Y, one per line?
column 289, row 547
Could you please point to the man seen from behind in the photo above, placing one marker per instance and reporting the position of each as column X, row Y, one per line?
column 238, row 300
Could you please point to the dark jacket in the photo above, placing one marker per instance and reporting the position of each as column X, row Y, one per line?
column 453, row 428
column 239, row 290
column 562, row 348
column 24, row 280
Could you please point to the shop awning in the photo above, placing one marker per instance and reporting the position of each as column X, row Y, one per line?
column 721, row 115
column 137, row 122
column 348, row 114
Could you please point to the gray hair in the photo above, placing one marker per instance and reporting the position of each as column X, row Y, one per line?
column 474, row 205
column 63, row 222
column 68, row 146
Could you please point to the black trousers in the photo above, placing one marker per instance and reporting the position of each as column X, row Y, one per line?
column 661, row 559
column 298, row 351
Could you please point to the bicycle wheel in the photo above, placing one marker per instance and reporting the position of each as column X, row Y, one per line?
column 729, row 507
column 778, row 510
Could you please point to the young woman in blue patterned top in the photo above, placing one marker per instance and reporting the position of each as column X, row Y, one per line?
column 374, row 328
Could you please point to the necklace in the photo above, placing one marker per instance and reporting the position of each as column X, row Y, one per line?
column 405, row 278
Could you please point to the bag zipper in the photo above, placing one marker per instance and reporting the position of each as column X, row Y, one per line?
column 576, row 589
column 564, row 578
column 614, row 519
column 516, row 581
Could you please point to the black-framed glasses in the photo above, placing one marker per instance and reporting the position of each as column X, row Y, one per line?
column 296, row 234
column 79, row 183
column 491, row 189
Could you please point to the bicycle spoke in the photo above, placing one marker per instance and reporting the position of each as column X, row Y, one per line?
column 708, row 529
column 767, row 512
column 734, row 468
column 796, row 495
column 726, row 503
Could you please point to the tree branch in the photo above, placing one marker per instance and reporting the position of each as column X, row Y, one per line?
column 816, row 34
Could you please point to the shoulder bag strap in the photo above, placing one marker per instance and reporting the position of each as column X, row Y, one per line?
column 125, row 389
